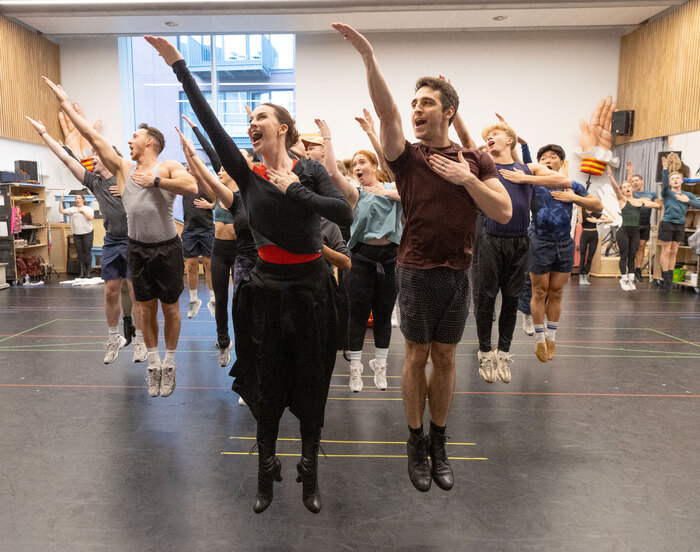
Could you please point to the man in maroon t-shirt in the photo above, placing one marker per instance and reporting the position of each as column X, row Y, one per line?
column 441, row 185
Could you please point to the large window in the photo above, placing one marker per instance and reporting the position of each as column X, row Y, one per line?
column 232, row 70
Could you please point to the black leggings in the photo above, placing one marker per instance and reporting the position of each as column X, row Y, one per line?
column 627, row 242
column 83, row 244
column 223, row 256
column 587, row 248
column 371, row 285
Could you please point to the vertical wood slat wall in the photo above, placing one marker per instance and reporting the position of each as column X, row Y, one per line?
column 24, row 57
column 660, row 75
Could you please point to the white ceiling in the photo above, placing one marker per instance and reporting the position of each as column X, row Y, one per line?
column 79, row 17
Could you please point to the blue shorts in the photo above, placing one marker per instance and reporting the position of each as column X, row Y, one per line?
column 197, row 242
column 114, row 265
column 551, row 256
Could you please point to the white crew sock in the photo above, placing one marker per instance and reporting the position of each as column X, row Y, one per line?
column 113, row 331
column 153, row 357
column 193, row 295
column 539, row 333
column 212, row 298
column 355, row 355
column 551, row 332
column 138, row 337
column 169, row 356
column 381, row 355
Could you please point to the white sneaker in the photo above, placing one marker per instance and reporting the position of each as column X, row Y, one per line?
column 356, row 376
column 140, row 352
column 212, row 307
column 113, row 346
column 503, row 360
column 528, row 325
column 630, row 282
column 486, row 366
column 585, row 280
column 224, row 354
column 241, row 401
column 379, row 369
column 167, row 379
column 153, row 377
column 624, row 284
column 194, row 308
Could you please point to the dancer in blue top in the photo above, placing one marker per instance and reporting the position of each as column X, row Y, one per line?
column 552, row 249
column 672, row 226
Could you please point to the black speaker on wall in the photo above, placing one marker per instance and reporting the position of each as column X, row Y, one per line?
column 622, row 123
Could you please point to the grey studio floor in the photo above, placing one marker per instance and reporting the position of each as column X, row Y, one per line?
column 596, row 450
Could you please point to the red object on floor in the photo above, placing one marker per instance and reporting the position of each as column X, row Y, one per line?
column 370, row 322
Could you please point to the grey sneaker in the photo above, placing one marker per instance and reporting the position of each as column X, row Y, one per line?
column 224, row 354
column 503, row 360
column 486, row 367
column 528, row 325
column 211, row 305
column 356, row 376
column 153, row 377
column 193, row 309
column 140, row 352
column 113, row 346
column 167, row 379
column 379, row 369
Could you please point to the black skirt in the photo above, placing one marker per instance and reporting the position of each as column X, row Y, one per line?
column 285, row 326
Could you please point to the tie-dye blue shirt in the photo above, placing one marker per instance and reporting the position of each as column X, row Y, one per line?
column 551, row 219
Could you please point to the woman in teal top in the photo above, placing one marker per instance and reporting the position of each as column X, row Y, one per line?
column 628, row 234
column 672, row 226
column 374, row 237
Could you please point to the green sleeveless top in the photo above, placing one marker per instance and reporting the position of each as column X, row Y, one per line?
column 630, row 215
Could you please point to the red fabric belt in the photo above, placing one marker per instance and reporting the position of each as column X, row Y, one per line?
column 274, row 254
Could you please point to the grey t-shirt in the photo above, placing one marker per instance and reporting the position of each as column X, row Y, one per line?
column 111, row 206
column 333, row 238
column 149, row 211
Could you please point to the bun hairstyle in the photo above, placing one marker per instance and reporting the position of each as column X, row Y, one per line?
column 285, row 118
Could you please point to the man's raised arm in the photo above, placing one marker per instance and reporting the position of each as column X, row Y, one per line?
column 390, row 129
column 108, row 156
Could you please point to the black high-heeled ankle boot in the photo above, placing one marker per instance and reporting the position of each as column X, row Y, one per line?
column 269, row 471
column 307, row 472
column 129, row 329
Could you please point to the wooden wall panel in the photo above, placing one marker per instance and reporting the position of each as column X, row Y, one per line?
column 660, row 75
column 24, row 57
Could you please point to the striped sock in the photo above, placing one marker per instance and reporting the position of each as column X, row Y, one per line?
column 551, row 332
column 539, row 333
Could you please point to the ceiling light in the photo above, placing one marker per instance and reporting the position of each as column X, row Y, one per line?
column 171, row 24
column 500, row 18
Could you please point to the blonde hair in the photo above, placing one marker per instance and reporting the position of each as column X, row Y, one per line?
column 505, row 128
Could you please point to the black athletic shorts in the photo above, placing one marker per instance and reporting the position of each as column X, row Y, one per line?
column 644, row 233
column 671, row 232
column 157, row 270
column 197, row 242
column 433, row 303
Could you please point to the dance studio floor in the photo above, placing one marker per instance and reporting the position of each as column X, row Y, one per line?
column 597, row 450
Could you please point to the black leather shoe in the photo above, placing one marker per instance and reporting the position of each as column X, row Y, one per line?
column 269, row 471
column 129, row 329
column 307, row 474
column 418, row 466
column 638, row 275
column 441, row 470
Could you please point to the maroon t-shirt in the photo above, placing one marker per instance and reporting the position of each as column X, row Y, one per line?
column 440, row 216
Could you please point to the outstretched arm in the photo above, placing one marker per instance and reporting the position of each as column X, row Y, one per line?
column 390, row 132
column 108, row 156
column 206, row 145
column 229, row 154
column 339, row 181
column 541, row 176
column 367, row 124
column 207, row 182
column 615, row 187
column 75, row 167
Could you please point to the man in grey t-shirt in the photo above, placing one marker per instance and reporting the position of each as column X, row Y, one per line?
column 114, row 268
column 154, row 251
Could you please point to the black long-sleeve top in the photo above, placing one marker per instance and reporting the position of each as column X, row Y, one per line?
column 288, row 220
column 208, row 149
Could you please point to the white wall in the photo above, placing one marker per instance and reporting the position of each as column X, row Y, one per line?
column 542, row 82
